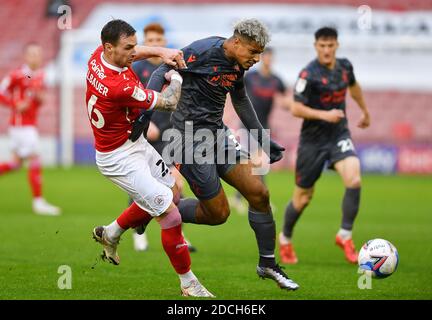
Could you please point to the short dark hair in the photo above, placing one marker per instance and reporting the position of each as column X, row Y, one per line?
column 326, row 32
column 114, row 30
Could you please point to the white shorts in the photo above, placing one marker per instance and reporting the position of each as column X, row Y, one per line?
column 138, row 169
column 24, row 140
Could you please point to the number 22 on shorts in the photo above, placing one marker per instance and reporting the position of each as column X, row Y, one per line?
column 346, row 145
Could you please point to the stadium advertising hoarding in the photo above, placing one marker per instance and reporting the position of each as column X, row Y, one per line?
column 387, row 158
column 378, row 158
column 415, row 159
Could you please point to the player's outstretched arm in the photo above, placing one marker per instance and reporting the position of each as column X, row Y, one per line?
column 157, row 79
column 172, row 57
column 357, row 94
column 156, row 83
column 244, row 109
column 167, row 100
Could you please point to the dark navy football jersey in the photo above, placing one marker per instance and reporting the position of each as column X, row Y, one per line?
column 261, row 91
column 144, row 69
column 209, row 77
column 321, row 88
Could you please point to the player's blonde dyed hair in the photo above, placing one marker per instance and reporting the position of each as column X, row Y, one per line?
column 253, row 30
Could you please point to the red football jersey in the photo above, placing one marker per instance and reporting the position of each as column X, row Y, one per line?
column 114, row 98
column 23, row 84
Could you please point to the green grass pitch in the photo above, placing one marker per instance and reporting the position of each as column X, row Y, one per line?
column 32, row 248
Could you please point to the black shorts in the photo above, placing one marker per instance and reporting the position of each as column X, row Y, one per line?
column 204, row 178
column 312, row 157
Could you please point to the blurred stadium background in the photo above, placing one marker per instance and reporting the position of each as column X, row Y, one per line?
column 391, row 57
column 392, row 61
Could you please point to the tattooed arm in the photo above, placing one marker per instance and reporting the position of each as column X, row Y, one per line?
column 168, row 98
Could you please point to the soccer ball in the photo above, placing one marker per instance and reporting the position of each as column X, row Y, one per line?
column 378, row 258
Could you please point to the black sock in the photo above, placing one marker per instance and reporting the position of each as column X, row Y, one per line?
column 265, row 232
column 266, row 262
column 350, row 207
column 187, row 208
column 291, row 217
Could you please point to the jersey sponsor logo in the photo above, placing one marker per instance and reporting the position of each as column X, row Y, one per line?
column 99, row 87
column 224, row 80
column 300, row 85
column 334, row 97
column 98, row 69
column 264, row 92
column 139, row 94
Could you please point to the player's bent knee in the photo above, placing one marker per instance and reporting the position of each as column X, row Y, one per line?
column 220, row 219
column 303, row 201
column 176, row 197
column 259, row 198
column 171, row 218
column 220, row 216
column 354, row 182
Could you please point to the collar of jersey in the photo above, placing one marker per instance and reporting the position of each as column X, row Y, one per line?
column 110, row 66
column 25, row 69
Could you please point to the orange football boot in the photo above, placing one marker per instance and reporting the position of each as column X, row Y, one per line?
column 349, row 249
column 287, row 254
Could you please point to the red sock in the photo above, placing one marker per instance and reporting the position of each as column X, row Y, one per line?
column 8, row 166
column 133, row 217
column 176, row 248
column 35, row 178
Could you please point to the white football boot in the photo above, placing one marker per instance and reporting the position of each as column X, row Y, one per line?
column 42, row 207
column 276, row 274
column 140, row 241
column 109, row 247
column 196, row 289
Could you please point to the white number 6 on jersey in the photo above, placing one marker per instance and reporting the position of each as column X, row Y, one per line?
column 90, row 108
